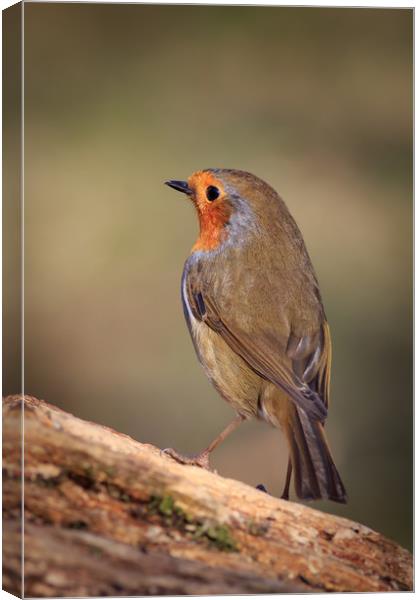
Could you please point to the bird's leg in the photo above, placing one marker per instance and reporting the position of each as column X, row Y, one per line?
column 285, row 494
column 202, row 459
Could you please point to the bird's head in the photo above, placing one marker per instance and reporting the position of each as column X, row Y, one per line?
column 227, row 201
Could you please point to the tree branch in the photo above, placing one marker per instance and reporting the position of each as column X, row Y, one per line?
column 106, row 515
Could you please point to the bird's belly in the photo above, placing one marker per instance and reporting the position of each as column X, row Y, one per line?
column 230, row 375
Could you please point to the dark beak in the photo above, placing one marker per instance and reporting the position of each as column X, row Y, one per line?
column 180, row 186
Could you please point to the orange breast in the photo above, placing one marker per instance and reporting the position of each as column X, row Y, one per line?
column 212, row 227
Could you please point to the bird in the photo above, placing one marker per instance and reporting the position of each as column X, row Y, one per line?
column 253, row 307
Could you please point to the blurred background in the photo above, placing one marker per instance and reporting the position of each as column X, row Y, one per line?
column 318, row 102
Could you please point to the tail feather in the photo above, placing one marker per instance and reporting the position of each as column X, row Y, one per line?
column 315, row 474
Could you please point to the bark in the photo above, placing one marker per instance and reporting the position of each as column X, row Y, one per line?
column 106, row 515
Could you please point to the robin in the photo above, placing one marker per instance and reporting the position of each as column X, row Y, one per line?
column 252, row 304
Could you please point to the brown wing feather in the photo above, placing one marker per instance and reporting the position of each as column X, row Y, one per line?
column 302, row 371
column 311, row 359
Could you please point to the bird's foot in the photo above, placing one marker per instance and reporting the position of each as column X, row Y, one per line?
column 261, row 487
column 199, row 460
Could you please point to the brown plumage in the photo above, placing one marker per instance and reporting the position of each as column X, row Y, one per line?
column 252, row 304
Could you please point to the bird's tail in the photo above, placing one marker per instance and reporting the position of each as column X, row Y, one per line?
column 315, row 474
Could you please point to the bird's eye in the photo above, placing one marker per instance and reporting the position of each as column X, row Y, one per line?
column 212, row 193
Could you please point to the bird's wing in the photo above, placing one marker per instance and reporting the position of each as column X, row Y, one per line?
column 299, row 365
column 311, row 359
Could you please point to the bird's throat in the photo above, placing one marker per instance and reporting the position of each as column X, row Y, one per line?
column 212, row 220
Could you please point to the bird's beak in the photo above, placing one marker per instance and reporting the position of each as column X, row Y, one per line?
column 180, row 186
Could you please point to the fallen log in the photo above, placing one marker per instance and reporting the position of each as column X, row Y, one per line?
column 106, row 515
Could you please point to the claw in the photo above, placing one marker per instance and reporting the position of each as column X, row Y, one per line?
column 200, row 460
column 261, row 487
